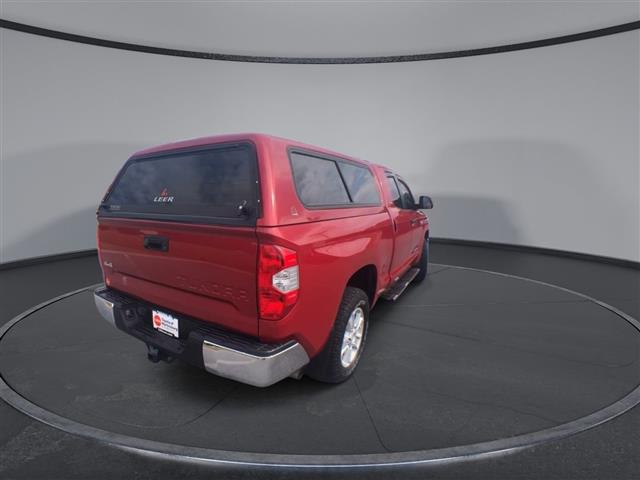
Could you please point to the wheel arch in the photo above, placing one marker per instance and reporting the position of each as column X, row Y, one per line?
column 366, row 279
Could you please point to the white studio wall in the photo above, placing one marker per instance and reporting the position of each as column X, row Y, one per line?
column 536, row 147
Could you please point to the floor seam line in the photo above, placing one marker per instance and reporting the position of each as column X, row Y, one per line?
column 373, row 423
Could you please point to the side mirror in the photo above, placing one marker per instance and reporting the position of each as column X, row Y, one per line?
column 424, row 203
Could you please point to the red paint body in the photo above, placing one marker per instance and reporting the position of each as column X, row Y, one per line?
column 210, row 271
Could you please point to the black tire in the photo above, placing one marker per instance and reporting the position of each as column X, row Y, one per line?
column 327, row 365
column 423, row 264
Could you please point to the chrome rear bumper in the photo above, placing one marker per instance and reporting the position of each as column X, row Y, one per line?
column 260, row 371
column 105, row 308
column 245, row 361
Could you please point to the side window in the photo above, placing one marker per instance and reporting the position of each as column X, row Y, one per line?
column 318, row 181
column 407, row 198
column 360, row 183
column 395, row 193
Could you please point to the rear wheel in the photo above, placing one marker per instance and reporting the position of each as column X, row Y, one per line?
column 423, row 264
column 341, row 354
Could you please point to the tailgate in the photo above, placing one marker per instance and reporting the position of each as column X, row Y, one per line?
column 207, row 271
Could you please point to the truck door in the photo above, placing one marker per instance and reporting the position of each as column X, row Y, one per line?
column 403, row 223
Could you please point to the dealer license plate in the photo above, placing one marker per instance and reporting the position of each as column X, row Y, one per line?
column 165, row 323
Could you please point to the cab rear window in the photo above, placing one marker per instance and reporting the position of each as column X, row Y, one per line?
column 217, row 184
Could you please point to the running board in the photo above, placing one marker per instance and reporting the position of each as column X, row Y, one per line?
column 400, row 285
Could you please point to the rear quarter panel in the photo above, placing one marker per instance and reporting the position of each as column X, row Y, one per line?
column 329, row 253
column 332, row 244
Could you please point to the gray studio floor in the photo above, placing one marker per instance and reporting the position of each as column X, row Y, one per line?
column 477, row 357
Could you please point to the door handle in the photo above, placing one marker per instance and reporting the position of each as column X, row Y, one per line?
column 153, row 242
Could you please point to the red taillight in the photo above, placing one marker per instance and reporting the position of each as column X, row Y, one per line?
column 278, row 281
column 98, row 244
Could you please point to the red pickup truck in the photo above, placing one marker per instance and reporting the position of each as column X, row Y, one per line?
column 256, row 257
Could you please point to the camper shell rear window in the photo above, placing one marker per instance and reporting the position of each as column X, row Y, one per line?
column 214, row 184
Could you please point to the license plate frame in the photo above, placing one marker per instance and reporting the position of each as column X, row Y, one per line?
column 165, row 323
